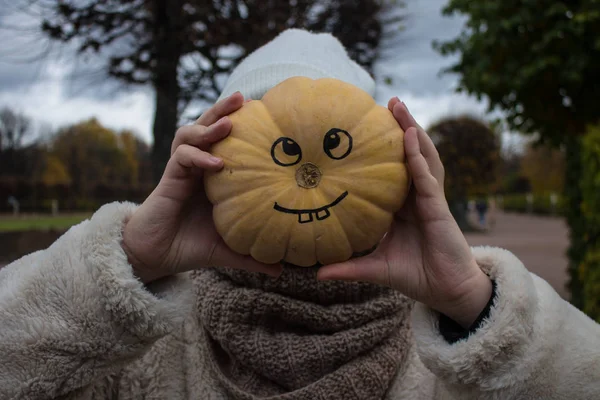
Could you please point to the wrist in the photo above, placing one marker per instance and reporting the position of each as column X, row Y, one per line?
column 140, row 270
column 468, row 305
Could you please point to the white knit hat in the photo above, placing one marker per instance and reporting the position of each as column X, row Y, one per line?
column 295, row 52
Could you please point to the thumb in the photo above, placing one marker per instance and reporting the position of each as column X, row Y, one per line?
column 372, row 268
column 223, row 256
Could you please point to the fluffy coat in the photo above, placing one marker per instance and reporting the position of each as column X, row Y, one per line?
column 75, row 323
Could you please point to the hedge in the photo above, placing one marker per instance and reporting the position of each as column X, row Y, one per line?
column 37, row 197
column 542, row 204
column 589, row 271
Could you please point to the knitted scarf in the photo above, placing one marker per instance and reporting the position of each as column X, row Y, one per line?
column 298, row 338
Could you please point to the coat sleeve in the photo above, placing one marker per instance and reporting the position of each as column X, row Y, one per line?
column 74, row 313
column 532, row 345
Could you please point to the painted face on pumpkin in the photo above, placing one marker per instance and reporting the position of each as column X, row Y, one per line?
column 285, row 152
column 319, row 151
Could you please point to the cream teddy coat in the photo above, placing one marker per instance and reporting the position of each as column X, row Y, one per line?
column 76, row 324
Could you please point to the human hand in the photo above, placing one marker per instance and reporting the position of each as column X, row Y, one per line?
column 424, row 255
column 173, row 230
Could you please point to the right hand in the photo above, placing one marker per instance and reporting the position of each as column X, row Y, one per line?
column 173, row 230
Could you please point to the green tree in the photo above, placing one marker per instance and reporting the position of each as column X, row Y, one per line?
column 538, row 62
column 589, row 271
column 470, row 151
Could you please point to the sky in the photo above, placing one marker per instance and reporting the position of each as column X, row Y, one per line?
column 50, row 91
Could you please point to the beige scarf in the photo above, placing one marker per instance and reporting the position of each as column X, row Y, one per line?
column 298, row 338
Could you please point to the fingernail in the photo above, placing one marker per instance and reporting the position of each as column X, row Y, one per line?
column 215, row 160
column 404, row 104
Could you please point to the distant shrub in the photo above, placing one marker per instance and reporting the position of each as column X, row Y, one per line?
column 541, row 205
column 589, row 270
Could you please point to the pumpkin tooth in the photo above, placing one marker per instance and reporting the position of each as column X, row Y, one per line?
column 323, row 214
column 305, row 217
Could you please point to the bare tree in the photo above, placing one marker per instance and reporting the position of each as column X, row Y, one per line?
column 185, row 49
column 14, row 128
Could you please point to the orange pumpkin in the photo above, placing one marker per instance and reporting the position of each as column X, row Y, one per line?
column 314, row 172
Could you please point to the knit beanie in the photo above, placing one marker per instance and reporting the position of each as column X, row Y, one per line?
column 296, row 52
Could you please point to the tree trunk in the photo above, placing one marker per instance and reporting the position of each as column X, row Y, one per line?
column 167, row 44
column 165, row 120
column 575, row 220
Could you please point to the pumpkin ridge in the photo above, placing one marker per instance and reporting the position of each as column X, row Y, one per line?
column 362, row 170
column 337, row 219
column 271, row 121
column 374, row 104
column 358, row 243
column 246, row 144
column 236, row 197
column 245, row 215
column 232, row 228
column 265, row 226
column 361, row 198
column 244, row 191
column 289, row 239
column 375, row 110
column 259, row 234
column 374, row 107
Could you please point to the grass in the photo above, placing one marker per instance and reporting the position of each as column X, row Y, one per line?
column 9, row 223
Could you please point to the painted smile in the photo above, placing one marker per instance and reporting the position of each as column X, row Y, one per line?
column 306, row 216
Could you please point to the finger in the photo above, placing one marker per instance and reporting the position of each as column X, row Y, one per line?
column 186, row 158
column 222, row 256
column 428, row 149
column 432, row 156
column 404, row 117
column 201, row 136
column 393, row 101
column 424, row 182
column 221, row 109
column 362, row 269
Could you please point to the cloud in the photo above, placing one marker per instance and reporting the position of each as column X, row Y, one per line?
column 64, row 90
column 46, row 101
column 412, row 62
column 415, row 68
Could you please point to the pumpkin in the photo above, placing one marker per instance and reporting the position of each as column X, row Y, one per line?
column 313, row 173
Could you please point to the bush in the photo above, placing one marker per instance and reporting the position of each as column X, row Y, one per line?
column 589, row 269
column 542, row 204
column 37, row 197
column 589, row 273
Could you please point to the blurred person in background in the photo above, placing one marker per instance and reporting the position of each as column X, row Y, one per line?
column 146, row 301
column 481, row 205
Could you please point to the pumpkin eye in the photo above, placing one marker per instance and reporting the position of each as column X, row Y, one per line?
column 337, row 143
column 286, row 152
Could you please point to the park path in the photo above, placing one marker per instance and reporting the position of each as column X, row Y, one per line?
column 539, row 242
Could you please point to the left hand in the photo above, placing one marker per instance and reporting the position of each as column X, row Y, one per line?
column 424, row 255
